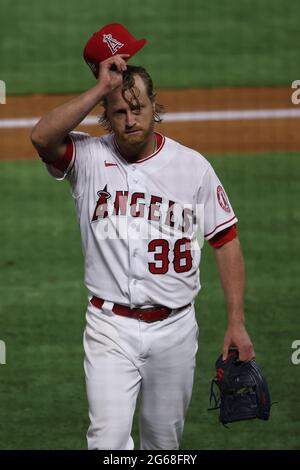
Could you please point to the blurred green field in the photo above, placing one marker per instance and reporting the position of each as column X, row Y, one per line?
column 42, row 393
column 191, row 44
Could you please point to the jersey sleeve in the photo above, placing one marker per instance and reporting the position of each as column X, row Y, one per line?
column 73, row 166
column 218, row 213
column 223, row 237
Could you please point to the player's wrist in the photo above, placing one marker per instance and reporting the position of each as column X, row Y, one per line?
column 236, row 321
column 99, row 90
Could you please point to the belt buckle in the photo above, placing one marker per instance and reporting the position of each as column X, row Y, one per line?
column 146, row 310
column 140, row 315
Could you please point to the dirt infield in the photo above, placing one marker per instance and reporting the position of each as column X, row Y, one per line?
column 207, row 136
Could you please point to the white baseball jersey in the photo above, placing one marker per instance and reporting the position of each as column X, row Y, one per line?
column 138, row 221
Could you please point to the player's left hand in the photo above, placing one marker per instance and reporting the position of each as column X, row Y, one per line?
column 236, row 335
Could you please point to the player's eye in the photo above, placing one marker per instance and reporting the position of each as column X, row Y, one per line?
column 136, row 109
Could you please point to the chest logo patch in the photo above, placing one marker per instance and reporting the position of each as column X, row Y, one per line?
column 101, row 205
column 222, row 199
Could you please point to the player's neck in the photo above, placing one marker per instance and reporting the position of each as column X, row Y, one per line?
column 136, row 152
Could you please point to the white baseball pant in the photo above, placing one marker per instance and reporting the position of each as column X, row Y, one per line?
column 125, row 357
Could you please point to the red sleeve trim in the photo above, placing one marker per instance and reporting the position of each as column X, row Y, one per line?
column 63, row 163
column 223, row 237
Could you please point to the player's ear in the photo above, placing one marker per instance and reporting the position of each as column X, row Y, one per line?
column 153, row 102
column 153, row 97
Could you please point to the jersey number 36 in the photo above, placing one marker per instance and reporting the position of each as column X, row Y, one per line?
column 182, row 258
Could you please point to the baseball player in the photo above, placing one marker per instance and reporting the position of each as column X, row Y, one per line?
column 138, row 196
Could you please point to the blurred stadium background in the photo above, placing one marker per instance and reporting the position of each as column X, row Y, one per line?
column 219, row 47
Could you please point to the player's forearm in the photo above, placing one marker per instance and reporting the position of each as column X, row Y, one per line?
column 231, row 269
column 52, row 128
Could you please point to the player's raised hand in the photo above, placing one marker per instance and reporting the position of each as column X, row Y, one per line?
column 110, row 72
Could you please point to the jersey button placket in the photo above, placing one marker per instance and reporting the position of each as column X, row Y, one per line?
column 133, row 178
column 132, row 242
column 133, row 239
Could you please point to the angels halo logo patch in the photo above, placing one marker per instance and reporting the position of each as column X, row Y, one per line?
column 222, row 199
column 112, row 43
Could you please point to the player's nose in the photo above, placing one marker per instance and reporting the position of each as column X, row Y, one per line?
column 130, row 119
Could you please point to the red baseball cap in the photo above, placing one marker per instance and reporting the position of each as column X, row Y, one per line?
column 112, row 39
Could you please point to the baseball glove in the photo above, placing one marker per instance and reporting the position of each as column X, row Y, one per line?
column 241, row 390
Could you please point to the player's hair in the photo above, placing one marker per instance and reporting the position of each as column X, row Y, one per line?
column 128, row 84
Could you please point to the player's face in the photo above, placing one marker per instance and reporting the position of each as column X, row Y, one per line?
column 132, row 125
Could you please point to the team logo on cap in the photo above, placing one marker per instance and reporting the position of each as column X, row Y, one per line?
column 112, row 43
column 222, row 198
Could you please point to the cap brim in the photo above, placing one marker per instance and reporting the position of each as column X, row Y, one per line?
column 133, row 48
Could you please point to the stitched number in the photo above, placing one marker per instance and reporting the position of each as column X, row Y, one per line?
column 182, row 256
column 161, row 256
column 182, row 259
